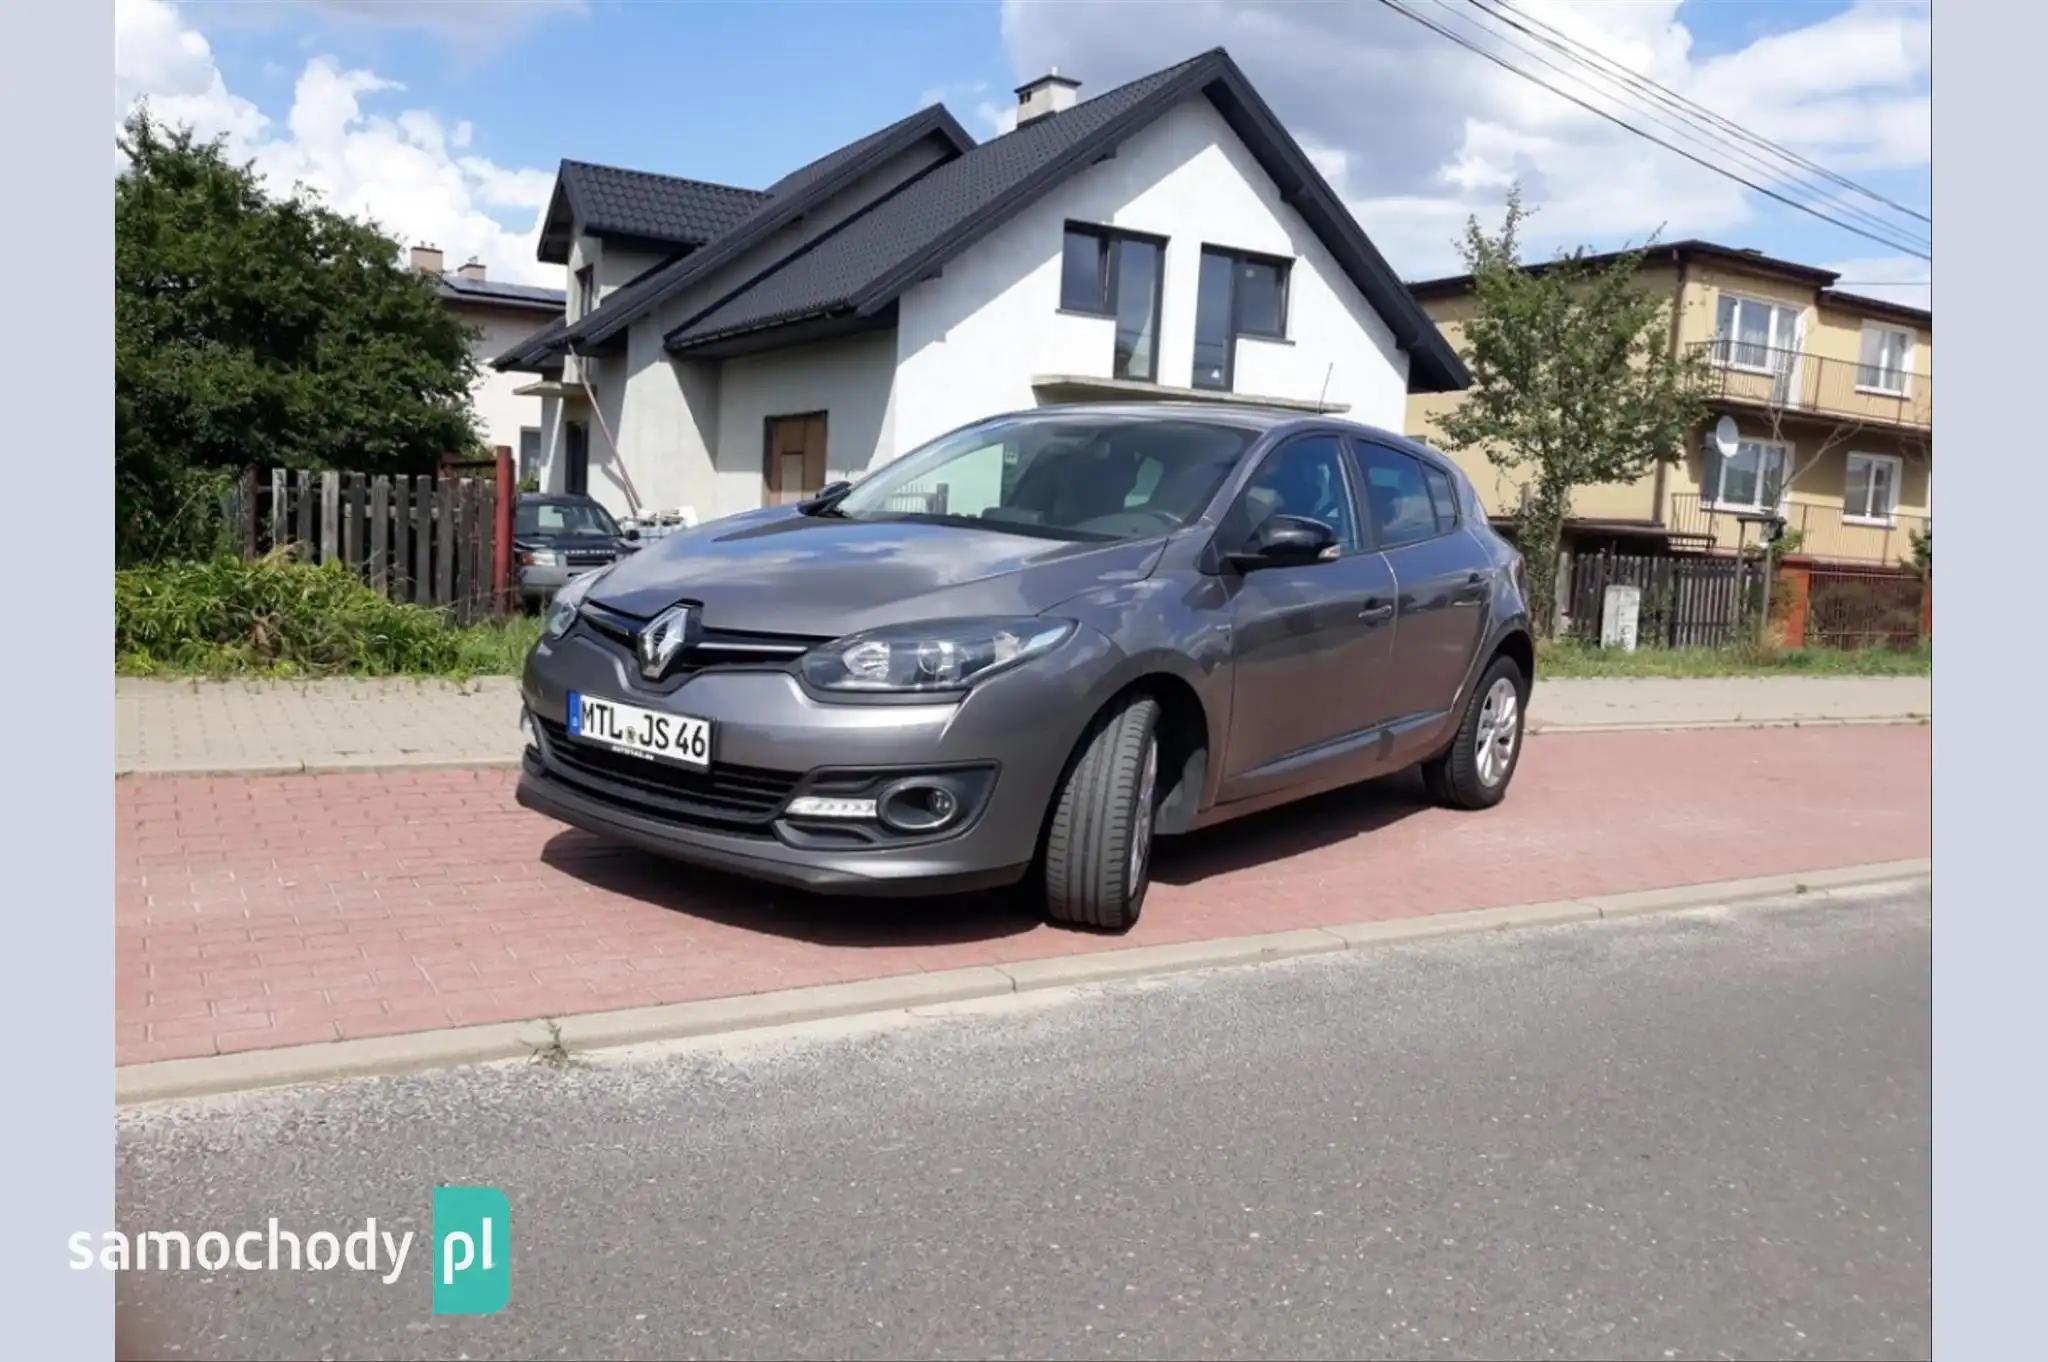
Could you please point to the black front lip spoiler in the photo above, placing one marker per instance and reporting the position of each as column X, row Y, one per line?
column 544, row 794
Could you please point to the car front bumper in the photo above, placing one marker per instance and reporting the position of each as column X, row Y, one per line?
column 537, row 582
column 770, row 734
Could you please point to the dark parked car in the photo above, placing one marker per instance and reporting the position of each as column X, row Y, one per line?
column 559, row 538
column 1031, row 646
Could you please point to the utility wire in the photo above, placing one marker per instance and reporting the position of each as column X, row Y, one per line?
column 1767, row 192
column 1714, row 142
column 1587, row 54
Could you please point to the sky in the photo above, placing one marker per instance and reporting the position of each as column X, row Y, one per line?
column 444, row 119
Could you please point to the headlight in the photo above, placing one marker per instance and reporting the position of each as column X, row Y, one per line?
column 935, row 655
column 562, row 610
column 544, row 558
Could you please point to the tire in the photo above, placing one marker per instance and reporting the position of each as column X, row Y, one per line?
column 1463, row 776
column 1098, row 841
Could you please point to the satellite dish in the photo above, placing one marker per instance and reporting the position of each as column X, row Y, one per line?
column 1726, row 436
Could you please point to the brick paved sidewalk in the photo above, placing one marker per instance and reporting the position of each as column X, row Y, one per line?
column 262, row 911
column 208, row 726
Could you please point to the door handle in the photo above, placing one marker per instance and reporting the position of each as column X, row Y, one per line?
column 1376, row 610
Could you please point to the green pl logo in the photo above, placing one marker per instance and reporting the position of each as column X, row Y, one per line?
column 472, row 1251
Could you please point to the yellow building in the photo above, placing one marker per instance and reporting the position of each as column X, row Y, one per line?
column 1830, row 394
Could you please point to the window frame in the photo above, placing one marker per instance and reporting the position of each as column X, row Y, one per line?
column 1891, row 516
column 1711, row 498
column 1110, row 240
column 1365, row 520
column 1234, row 320
column 1726, row 344
column 586, row 292
column 1905, row 388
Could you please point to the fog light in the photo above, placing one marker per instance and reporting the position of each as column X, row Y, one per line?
column 916, row 806
column 821, row 806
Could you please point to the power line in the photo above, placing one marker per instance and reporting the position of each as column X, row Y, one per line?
column 1766, row 191
column 1713, row 141
column 1565, row 42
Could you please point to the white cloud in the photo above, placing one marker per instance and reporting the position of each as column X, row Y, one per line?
column 411, row 171
column 995, row 116
column 1416, row 133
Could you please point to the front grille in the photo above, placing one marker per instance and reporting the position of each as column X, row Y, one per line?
column 728, row 797
column 714, row 648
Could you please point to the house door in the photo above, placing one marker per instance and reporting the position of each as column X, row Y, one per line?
column 576, row 477
column 795, row 466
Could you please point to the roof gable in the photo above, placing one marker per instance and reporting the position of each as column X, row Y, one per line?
column 861, row 266
column 611, row 201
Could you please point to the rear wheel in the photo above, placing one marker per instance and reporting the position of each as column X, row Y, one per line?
column 1098, row 844
column 1473, row 772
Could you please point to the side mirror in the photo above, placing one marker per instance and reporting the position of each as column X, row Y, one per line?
column 1286, row 540
column 632, row 532
column 827, row 494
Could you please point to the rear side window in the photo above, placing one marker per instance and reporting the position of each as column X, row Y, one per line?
column 1398, row 500
column 1442, row 497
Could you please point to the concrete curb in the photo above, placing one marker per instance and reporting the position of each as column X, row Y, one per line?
column 211, row 1074
column 1537, row 728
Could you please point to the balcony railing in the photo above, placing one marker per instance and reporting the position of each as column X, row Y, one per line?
column 1825, row 531
column 1797, row 381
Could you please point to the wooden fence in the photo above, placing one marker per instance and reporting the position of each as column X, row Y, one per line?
column 432, row 541
column 1688, row 600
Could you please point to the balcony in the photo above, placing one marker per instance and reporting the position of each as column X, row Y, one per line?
column 1825, row 531
column 1804, row 384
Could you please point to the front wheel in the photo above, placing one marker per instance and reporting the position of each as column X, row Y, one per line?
column 1098, row 844
column 1473, row 772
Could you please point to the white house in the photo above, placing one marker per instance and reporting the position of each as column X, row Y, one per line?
column 502, row 315
column 721, row 348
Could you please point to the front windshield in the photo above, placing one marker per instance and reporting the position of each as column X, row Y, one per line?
column 1098, row 476
column 566, row 518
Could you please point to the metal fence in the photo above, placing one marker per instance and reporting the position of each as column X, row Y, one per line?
column 431, row 541
column 1853, row 608
column 1801, row 381
column 1825, row 531
column 1687, row 601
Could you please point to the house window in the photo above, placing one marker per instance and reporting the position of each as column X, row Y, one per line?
column 529, row 452
column 1752, row 334
column 1237, row 295
column 1117, row 274
column 586, row 291
column 1871, row 492
column 1750, row 479
column 1887, row 350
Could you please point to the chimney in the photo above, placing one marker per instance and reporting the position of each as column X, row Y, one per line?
column 426, row 259
column 1049, row 94
column 473, row 271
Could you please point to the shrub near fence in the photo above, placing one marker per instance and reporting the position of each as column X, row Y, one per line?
column 423, row 540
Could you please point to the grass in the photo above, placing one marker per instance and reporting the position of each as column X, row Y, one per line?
column 1569, row 658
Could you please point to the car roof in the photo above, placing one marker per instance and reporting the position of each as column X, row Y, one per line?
column 1245, row 416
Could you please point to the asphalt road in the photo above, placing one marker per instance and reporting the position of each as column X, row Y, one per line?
column 1695, row 1135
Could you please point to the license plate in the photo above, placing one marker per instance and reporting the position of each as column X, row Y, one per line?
column 649, row 733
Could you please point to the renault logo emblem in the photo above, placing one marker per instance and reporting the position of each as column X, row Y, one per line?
column 667, row 634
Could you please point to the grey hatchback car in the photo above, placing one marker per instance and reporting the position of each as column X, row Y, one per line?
column 1031, row 646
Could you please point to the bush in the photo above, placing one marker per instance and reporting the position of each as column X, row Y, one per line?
column 272, row 615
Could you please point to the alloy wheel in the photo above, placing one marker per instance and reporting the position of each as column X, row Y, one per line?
column 1500, row 726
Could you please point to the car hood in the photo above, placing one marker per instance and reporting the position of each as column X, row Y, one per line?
column 780, row 571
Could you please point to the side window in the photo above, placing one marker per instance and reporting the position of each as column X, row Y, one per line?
column 1444, row 498
column 1304, row 477
column 1396, row 495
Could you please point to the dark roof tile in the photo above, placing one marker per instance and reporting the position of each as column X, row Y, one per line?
column 658, row 207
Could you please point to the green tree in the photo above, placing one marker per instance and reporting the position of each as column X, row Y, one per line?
column 258, row 331
column 1573, row 382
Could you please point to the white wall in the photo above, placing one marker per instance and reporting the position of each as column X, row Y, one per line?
column 850, row 380
column 970, row 341
column 500, row 414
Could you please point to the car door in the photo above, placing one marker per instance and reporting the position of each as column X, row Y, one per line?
column 1443, row 578
column 1310, row 641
